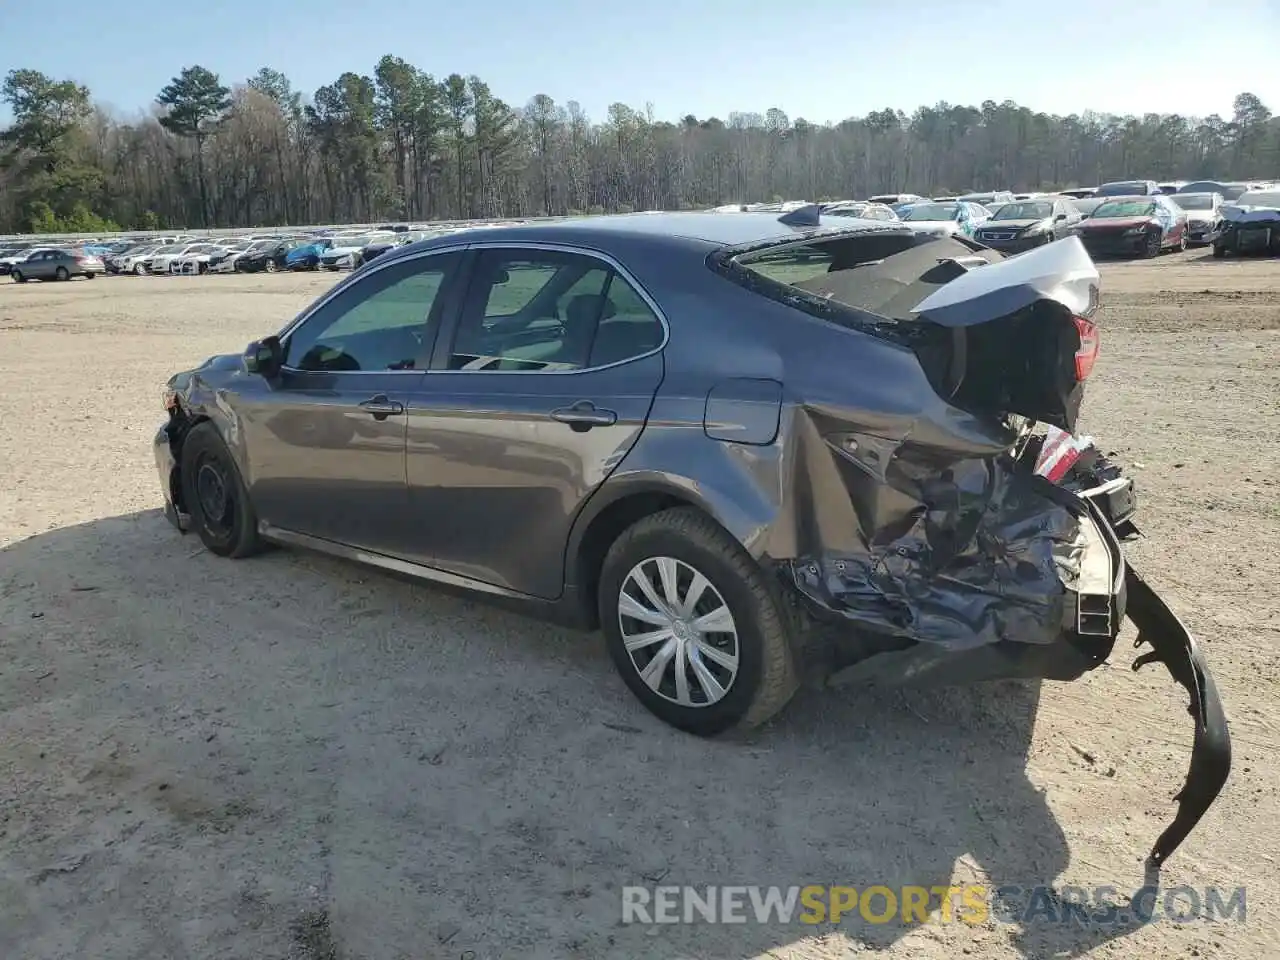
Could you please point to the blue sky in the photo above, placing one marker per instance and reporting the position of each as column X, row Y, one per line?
column 818, row 59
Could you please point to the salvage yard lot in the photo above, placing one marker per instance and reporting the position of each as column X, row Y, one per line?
column 295, row 757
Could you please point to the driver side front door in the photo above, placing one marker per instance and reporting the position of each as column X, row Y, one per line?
column 325, row 439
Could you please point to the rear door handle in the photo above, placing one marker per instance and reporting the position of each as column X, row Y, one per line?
column 381, row 407
column 584, row 415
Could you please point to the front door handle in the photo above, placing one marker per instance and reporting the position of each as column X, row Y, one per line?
column 584, row 415
column 381, row 407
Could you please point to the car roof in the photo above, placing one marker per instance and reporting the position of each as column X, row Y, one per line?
column 710, row 230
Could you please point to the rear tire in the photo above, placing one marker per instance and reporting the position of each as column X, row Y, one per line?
column 270, row 266
column 17, row 276
column 61, row 274
column 746, row 653
column 1219, row 251
column 90, row 276
column 215, row 495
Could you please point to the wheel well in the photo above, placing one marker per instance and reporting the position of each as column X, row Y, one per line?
column 180, row 424
column 603, row 530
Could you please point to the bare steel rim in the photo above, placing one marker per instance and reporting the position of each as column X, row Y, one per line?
column 678, row 632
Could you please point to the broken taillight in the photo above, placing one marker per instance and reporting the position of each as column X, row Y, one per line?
column 1087, row 354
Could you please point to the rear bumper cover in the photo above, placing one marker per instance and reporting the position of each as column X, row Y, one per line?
column 1103, row 591
column 1172, row 644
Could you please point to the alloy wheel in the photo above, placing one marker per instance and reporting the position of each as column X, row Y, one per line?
column 678, row 632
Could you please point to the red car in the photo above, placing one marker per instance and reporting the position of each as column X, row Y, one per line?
column 1134, row 227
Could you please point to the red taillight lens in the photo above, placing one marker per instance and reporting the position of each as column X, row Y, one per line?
column 1087, row 354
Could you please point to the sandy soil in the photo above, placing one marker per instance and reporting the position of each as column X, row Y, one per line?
column 296, row 757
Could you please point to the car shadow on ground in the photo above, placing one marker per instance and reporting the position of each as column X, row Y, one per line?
column 297, row 748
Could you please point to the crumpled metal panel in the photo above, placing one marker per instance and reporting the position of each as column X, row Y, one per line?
column 1060, row 271
column 923, row 527
column 960, row 554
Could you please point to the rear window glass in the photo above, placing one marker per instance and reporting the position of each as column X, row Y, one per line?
column 885, row 275
column 793, row 265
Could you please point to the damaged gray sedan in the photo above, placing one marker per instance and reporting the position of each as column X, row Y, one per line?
column 739, row 444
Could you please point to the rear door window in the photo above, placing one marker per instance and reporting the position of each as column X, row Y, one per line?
column 547, row 311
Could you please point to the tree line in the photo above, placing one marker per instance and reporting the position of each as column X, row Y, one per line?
column 404, row 145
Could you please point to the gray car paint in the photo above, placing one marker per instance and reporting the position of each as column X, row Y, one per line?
column 316, row 465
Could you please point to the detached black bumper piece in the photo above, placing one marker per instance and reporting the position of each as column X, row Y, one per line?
column 1172, row 644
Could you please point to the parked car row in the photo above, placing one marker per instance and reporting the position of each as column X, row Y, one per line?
column 1133, row 218
column 191, row 255
column 1122, row 218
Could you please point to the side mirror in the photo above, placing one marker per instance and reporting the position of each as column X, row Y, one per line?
column 1061, row 216
column 264, row 357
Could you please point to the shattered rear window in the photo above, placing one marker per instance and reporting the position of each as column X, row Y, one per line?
column 869, row 281
column 792, row 265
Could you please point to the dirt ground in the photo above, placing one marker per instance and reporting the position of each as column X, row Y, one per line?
column 296, row 757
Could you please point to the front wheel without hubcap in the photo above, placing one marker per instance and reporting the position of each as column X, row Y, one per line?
column 693, row 625
column 215, row 496
column 62, row 274
column 18, row 277
column 1154, row 240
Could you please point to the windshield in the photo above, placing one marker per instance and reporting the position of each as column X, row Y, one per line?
column 175, row 248
column 1192, row 201
column 1259, row 198
column 932, row 211
column 1121, row 188
column 1124, row 208
column 1024, row 211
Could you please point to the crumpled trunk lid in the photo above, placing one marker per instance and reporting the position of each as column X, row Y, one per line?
column 995, row 336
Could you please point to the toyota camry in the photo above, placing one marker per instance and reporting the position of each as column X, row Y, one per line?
column 737, row 444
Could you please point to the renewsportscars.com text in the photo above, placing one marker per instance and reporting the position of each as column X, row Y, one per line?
column 972, row 904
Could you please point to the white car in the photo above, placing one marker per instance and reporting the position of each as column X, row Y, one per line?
column 165, row 260
column 225, row 262
column 135, row 260
column 17, row 256
column 196, row 260
column 1204, row 215
column 345, row 252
